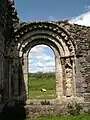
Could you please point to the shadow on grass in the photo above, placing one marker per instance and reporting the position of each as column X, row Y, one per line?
column 13, row 112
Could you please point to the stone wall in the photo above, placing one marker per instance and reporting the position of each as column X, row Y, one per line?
column 3, row 14
column 37, row 110
column 6, row 29
column 11, row 76
column 3, row 23
column 81, row 38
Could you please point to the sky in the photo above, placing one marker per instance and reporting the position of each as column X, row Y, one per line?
column 41, row 57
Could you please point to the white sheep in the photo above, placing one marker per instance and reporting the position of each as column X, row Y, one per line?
column 43, row 90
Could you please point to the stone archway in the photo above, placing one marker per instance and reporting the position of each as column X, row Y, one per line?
column 51, row 34
column 58, row 67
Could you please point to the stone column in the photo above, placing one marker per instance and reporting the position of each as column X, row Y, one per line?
column 59, row 77
column 1, row 69
column 15, row 75
column 25, row 73
column 68, row 78
column 1, row 76
column 9, row 81
column 74, row 81
column 21, row 83
column 6, row 79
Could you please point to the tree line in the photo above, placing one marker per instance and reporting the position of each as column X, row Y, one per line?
column 41, row 74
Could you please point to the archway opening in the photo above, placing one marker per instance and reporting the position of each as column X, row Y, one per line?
column 41, row 73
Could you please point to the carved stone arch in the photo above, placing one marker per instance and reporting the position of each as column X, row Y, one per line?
column 37, row 41
column 53, row 48
column 50, row 28
column 58, row 66
column 53, row 33
column 44, row 35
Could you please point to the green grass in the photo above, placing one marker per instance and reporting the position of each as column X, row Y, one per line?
column 78, row 117
column 49, row 94
column 42, row 80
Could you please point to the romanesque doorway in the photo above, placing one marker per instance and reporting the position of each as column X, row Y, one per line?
column 58, row 39
column 58, row 67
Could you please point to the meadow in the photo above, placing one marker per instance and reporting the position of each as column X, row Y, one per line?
column 39, row 80
column 78, row 117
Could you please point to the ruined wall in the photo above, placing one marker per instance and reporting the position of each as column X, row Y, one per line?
column 81, row 38
column 6, row 30
column 10, row 83
column 3, row 24
column 3, row 14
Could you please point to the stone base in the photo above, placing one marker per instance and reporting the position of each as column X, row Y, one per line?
column 54, row 109
column 59, row 100
column 58, row 106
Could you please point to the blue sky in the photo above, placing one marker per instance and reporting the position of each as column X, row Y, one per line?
column 43, row 9
column 77, row 11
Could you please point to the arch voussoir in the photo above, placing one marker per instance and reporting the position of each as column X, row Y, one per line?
column 40, row 26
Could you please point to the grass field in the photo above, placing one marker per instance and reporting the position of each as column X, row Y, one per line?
column 37, row 81
column 78, row 117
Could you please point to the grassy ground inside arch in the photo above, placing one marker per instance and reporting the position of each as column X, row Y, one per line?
column 78, row 117
column 37, row 81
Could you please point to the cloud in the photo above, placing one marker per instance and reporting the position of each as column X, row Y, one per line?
column 87, row 8
column 37, row 50
column 50, row 64
column 83, row 19
column 40, row 61
column 44, row 57
column 43, row 68
column 39, row 64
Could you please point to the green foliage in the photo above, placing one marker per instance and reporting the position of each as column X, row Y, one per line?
column 28, row 118
column 77, row 117
column 74, row 109
column 40, row 74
